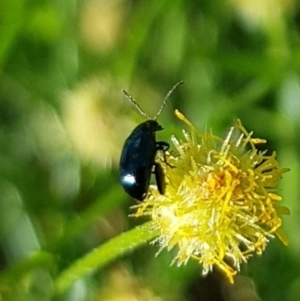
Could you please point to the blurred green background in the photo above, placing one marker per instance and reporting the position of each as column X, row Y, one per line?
column 63, row 122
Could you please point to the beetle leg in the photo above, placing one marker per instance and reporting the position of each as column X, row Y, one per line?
column 160, row 178
column 164, row 146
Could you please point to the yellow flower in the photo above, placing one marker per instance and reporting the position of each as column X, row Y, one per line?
column 220, row 206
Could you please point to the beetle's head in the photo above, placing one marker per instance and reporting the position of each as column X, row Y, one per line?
column 153, row 125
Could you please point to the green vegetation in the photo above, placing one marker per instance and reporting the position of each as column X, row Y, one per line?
column 64, row 119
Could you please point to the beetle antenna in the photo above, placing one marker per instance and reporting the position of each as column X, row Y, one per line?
column 128, row 96
column 166, row 98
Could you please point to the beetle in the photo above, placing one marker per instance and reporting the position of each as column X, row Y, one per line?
column 137, row 161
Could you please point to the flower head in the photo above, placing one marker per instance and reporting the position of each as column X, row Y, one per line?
column 220, row 206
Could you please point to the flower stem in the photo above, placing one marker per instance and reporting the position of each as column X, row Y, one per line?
column 103, row 255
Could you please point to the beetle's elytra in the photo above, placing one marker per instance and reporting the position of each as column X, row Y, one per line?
column 137, row 161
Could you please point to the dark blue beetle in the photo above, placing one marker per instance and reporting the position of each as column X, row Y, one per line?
column 138, row 156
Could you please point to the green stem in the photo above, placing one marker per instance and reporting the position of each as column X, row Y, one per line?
column 104, row 254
